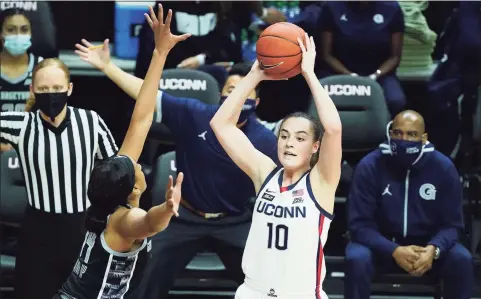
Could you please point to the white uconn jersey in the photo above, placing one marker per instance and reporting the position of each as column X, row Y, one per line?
column 284, row 257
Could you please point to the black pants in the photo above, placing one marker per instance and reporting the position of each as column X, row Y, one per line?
column 48, row 247
column 185, row 236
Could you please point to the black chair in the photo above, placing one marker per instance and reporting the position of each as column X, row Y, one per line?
column 184, row 83
column 206, row 270
column 13, row 201
column 364, row 116
column 472, row 181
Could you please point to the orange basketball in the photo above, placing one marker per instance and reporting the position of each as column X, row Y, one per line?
column 278, row 51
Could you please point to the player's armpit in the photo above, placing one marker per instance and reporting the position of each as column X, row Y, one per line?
column 328, row 165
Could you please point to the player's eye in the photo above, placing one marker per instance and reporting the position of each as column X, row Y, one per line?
column 300, row 139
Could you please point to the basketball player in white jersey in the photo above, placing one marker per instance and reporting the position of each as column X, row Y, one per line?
column 283, row 257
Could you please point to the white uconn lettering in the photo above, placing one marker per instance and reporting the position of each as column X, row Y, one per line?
column 183, row 84
column 348, row 90
column 172, row 165
column 26, row 5
column 13, row 163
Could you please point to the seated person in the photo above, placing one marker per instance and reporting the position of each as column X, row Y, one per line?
column 405, row 210
column 44, row 41
column 365, row 38
column 17, row 61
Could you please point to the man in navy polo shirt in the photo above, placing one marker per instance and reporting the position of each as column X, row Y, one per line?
column 364, row 38
column 215, row 191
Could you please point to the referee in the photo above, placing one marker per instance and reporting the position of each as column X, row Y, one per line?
column 56, row 147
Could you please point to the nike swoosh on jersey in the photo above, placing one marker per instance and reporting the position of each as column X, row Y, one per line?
column 271, row 66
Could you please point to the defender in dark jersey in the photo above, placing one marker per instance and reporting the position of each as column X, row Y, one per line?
column 117, row 230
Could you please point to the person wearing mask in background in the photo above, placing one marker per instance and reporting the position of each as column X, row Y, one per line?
column 364, row 38
column 44, row 31
column 214, row 205
column 17, row 62
column 405, row 211
column 57, row 147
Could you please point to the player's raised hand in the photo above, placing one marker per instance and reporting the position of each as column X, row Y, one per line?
column 174, row 193
column 98, row 56
column 164, row 39
column 308, row 54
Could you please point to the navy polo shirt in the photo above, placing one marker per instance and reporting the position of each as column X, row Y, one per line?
column 213, row 183
column 361, row 38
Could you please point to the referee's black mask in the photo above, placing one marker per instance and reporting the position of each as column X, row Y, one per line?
column 111, row 183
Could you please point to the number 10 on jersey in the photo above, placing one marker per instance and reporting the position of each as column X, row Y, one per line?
column 278, row 235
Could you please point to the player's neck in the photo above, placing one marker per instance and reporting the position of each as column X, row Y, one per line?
column 58, row 120
column 8, row 59
column 134, row 200
column 289, row 177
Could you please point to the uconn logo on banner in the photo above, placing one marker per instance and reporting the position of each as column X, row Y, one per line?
column 25, row 5
column 348, row 90
column 183, row 84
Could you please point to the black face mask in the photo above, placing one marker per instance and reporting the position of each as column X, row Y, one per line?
column 51, row 103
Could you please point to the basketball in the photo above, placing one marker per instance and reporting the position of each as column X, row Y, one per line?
column 278, row 51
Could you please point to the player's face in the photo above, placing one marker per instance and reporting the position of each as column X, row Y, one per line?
column 51, row 79
column 15, row 25
column 140, row 178
column 140, row 183
column 296, row 145
column 231, row 83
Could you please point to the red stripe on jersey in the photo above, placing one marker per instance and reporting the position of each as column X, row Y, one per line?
column 283, row 189
column 320, row 258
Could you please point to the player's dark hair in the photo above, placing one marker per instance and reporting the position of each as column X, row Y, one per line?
column 7, row 13
column 110, row 185
column 316, row 129
column 242, row 69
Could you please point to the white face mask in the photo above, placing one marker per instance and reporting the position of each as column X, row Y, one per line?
column 17, row 44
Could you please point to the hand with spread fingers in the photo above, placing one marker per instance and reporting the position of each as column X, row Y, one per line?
column 98, row 56
column 164, row 39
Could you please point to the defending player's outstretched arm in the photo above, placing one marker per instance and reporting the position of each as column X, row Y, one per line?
column 239, row 148
column 138, row 224
column 330, row 153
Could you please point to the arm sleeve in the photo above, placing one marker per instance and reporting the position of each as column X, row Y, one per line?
column 397, row 22
column 11, row 124
column 451, row 211
column 361, row 211
column 175, row 112
column 106, row 143
column 326, row 19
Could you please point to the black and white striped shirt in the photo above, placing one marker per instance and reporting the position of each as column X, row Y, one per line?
column 57, row 161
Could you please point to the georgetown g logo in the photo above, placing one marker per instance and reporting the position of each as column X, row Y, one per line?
column 427, row 192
